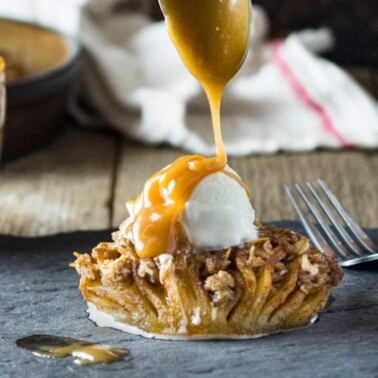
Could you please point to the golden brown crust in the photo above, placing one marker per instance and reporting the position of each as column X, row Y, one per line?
column 276, row 282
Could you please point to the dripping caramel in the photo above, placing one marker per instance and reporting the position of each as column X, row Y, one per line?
column 211, row 37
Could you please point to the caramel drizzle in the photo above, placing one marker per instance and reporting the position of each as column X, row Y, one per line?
column 211, row 37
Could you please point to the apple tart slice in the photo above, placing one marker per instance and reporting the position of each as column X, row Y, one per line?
column 277, row 282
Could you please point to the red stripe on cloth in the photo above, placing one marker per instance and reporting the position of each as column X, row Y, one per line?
column 302, row 93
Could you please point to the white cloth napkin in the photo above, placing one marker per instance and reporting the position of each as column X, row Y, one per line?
column 285, row 97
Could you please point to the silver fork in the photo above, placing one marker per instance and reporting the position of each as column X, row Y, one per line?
column 353, row 247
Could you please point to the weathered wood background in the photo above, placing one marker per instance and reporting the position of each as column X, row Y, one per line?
column 83, row 180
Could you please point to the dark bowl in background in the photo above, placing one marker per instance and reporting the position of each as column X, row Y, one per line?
column 37, row 103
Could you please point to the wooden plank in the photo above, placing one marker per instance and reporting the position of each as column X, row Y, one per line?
column 350, row 174
column 67, row 186
column 70, row 185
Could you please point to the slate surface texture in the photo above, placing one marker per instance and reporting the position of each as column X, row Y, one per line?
column 39, row 295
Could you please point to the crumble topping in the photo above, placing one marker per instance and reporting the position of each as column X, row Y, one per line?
column 313, row 269
column 116, row 273
column 85, row 266
column 279, row 274
column 318, row 270
column 260, row 252
column 218, row 261
column 221, row 285
column 147, row 269
column 104, row 252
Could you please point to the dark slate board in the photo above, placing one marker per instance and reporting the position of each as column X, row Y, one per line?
column 39, row 295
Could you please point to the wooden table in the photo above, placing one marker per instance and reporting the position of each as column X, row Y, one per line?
column 83, row 180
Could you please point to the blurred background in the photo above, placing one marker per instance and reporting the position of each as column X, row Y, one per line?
column 105, row 31
column 354, row 23
column 50, row 187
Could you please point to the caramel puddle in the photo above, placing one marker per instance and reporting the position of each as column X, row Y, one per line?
column 84, row 352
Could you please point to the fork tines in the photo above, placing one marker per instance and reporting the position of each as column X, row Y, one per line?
column 353, row 247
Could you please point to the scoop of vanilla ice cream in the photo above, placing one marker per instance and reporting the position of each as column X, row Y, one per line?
column 219, row 214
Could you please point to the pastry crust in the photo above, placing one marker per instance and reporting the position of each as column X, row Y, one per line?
column 277, row 282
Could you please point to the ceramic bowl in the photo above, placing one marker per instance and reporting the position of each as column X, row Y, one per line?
column 42, row 65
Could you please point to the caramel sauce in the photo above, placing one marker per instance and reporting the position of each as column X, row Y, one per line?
column 211, row 37
column 61, row 347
